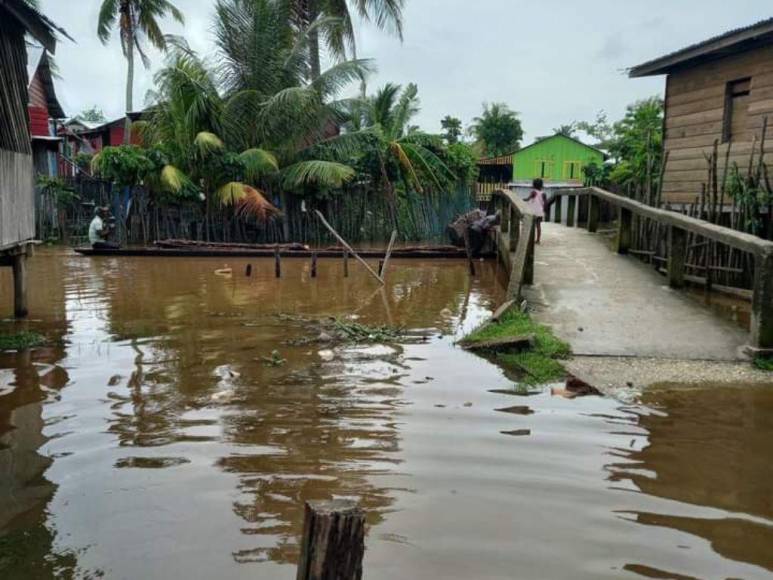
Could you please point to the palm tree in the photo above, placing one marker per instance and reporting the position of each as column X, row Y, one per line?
column 135, row 19
column 388, row 114
column 269, row 103
column 333, row 19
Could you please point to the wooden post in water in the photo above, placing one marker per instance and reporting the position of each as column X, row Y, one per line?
column 277, row 263
column 314, row 264
column 346, row 264
column 571, row 204
column 624, row 230
column 333, row 541
column 344, row 243
column 594, row 210
column 762, row 302
column 248, row 270
column 19, row 265
column 677, row 256
column 383, row 267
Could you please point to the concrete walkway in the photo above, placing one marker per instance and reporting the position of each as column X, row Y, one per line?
column 606, row 304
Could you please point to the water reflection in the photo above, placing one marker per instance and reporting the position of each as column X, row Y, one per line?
column 153, row 425
column 709, row 448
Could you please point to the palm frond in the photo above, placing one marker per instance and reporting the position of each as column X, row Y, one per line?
column 257, row 163
column 321, row 173
column 255, row 204
column 172, row 179
column 206, row 143
column 108, row 15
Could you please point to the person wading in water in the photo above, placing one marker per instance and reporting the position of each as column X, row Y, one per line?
column 538, row 202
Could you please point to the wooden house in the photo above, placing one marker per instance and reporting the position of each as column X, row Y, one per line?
column 17, row 195
column 44, row 112
column 557, row 160
column 719, row 90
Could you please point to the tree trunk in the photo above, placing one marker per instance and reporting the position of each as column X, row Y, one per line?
column 285, row 217
column 314, row 56
column 129, row 88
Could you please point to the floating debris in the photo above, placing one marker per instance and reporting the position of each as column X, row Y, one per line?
column 275, row 360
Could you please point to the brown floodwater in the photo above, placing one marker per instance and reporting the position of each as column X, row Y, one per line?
column 151, row 439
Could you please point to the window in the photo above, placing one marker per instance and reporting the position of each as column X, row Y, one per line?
column 736, row 108
column 543, row 168
column 573, row 170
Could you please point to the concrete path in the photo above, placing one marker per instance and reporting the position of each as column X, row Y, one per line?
column 606, row 304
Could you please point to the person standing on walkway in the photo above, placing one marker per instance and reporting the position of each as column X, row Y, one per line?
column 537, row 201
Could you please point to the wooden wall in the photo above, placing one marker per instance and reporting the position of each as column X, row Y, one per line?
column 695, row 108
column 17, row 199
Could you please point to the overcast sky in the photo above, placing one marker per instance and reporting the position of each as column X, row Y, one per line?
column 553, row 61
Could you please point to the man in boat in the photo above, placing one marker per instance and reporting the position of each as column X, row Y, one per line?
column 100, row 229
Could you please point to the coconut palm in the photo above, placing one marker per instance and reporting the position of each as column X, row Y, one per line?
column 333, row 20
column 409, row 151
column 135, row 20
column 270, row 104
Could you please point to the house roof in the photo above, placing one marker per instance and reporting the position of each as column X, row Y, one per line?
column 542, row 140
column 39, row 63
column 751, row 36
column 34, row 23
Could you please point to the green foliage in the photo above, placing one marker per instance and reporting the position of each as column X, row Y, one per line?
column 452, row 129
column 20, row 340
column 600, row 130
column 567, row 130
column 498, row 130
column 636, row 142
column 57, row 188
column 83, row 161
column 597, row 175
column 136, row 19
column 126, row 165
column 356, row 333
column 750, row 193
column 92, row 115
column 462, row 160
column 764, row 363
column 541, row 364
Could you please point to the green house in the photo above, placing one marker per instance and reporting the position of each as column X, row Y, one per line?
column 556, row 159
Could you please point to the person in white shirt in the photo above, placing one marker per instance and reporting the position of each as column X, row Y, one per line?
column 98, row 230
column 538, row 202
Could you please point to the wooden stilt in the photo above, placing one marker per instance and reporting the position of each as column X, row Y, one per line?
column 346, row 264
column 390, row 247
column 248, row 270
column 570, row 209
column 314, row 264
column 20, row 309
column 277, row 263
column 594, row 210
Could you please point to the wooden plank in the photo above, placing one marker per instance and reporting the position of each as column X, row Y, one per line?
column 17, row 198
column 700, row 118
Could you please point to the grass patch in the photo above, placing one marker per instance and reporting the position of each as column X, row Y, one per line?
column 764, row 363
column 542, row 363
column 20, row 340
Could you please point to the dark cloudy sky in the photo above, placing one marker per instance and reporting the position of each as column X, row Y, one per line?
column 553, row 61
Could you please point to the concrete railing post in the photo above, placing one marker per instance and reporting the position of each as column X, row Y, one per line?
column 557, row 205
column 505, row 209
column 624, row 230
column 571, row 204
column 594, row 209
column 677, row 256
column 582, row 210
column 528, row 270
column 762, row 302
column 515, row 229
column 333, row 542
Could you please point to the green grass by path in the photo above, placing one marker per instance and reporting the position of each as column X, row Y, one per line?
column 20, row 340
column 542, row 363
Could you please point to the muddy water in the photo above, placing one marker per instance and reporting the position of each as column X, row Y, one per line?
column 151, row 439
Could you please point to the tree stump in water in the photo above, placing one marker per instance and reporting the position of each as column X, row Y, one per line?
column 333, row 542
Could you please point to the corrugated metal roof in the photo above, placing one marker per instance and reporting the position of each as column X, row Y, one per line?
column 722, row 42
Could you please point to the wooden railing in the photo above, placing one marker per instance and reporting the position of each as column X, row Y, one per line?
column 515, row 240
column 584, row 205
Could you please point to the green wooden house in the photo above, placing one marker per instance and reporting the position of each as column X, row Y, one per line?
column 556, row 159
